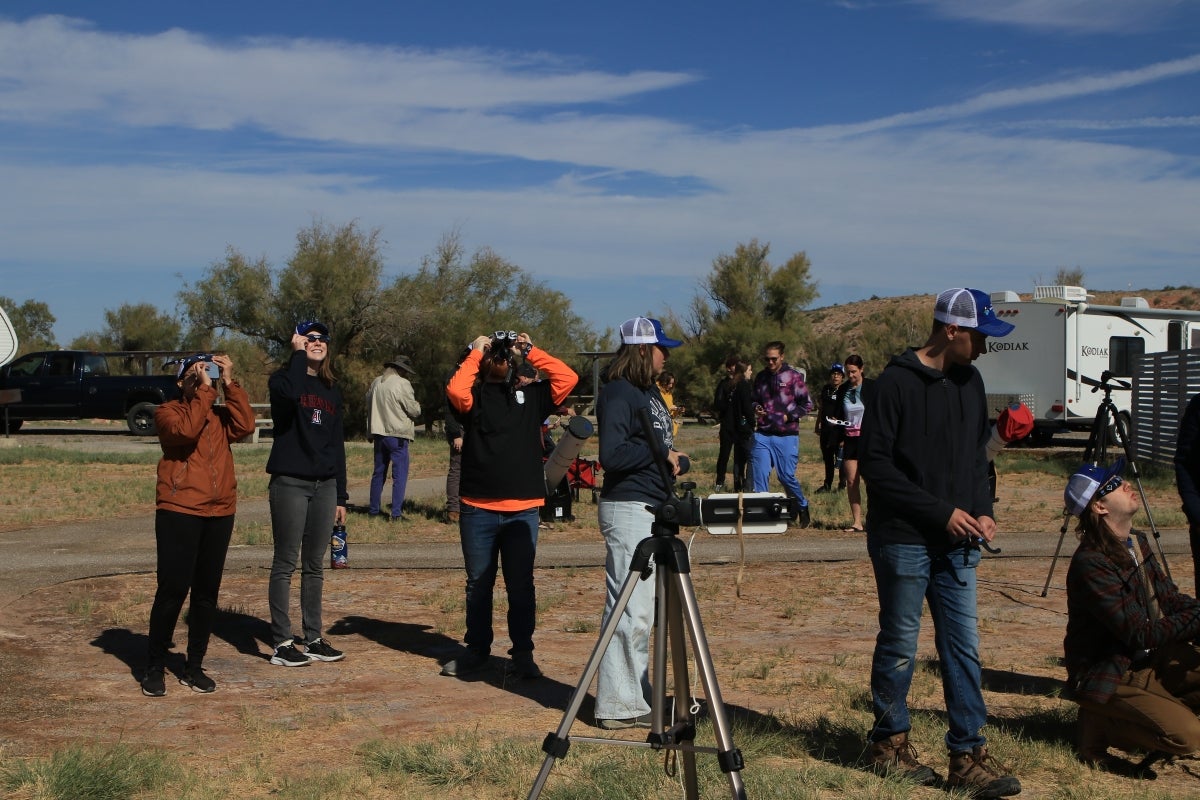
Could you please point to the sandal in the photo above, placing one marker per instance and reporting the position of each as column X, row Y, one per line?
column 854, row 529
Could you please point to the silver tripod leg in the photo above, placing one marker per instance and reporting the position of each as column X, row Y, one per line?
column 728, row 756
column 556, row 743
column 675, row 604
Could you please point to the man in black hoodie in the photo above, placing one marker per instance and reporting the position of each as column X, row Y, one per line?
column 923, row 454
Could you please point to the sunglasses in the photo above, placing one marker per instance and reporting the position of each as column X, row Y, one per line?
column 772, row 359
column 317, row 337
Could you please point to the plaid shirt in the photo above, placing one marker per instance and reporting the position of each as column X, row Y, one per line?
column 1108, row 623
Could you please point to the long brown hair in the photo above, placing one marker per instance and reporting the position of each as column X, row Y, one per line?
column 1094, row 532
column 634, row 363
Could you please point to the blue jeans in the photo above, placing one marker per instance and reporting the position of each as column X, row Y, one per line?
column 623, row 679
column 394, row 451
column 508, row 540
column 906, row 575
column 302, row 513
column 782, row 453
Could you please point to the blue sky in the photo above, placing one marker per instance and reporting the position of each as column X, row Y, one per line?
column 612, row 149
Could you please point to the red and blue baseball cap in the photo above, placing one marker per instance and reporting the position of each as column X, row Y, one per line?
column 1091, row 482
column 970, row 308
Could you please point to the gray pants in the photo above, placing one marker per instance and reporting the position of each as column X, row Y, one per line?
column 302, row 513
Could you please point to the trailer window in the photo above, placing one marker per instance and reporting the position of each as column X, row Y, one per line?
column 1175, row 336
column 1121, row 352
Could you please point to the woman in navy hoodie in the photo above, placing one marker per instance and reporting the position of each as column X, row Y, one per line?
column 631, row 482
column 307, row 490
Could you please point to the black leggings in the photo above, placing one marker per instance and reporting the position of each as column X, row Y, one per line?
column 191, row 556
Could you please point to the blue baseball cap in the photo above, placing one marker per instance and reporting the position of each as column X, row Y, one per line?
column 305, row 328
column 970, row 308
column 1091, row 482
column 186, row 363
column 643, row 330
column 837, row 368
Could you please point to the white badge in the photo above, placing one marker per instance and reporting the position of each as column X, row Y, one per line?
column 520, row 397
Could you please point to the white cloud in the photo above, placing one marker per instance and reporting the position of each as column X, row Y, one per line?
column 1082, row 16
column 53, row 67
column 900, row 203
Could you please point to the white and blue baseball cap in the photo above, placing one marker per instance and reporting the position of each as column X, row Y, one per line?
column 1091, row 482
column 970, row 308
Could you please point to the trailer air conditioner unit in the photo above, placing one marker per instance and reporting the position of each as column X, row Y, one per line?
column 1059, row 294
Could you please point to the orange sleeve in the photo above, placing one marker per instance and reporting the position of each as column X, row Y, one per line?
column 562, row 377
column 458, row 390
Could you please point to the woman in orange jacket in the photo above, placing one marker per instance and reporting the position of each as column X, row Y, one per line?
column 196, row 500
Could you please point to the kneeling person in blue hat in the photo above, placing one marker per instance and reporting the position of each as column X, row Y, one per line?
column 1131, row 665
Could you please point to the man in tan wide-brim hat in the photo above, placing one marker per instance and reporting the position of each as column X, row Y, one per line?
column 392, row 410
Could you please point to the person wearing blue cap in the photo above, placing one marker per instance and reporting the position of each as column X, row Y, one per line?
column 923, row 453
column 1131, row 664
column 632, row 482
column 307, row 490
column 196, row 498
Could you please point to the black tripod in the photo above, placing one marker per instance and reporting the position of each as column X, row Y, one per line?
column 675, row 602
column 1109, row 424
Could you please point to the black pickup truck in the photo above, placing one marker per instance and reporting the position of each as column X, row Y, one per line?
column 77, row 384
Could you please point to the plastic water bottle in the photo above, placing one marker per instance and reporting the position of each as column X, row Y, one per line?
column 339, row 550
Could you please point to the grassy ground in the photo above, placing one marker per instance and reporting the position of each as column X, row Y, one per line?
column 793, row 658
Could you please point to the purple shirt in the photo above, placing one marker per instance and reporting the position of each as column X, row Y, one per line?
column 784, row 396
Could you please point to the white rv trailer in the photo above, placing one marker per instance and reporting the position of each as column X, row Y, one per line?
column 1062, row 345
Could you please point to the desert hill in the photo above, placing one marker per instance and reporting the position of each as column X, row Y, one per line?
column 856, row 324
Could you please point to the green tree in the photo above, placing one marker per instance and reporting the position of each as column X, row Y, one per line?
column 743, row 303
column 133, row 326
column 32, row 323
column 432, row 314
column 334, row 275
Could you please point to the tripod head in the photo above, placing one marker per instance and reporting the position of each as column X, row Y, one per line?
column 1107, row 382
column 677, row 509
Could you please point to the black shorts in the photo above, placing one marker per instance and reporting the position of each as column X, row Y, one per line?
column 850, row 448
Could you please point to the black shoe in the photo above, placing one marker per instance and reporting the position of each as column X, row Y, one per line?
column 286, row 655
column 804, row 518
column 468, row 663
column 522, row 666
column 824, row 489
column 153, row 684
column 320, row 650
column 195, row 678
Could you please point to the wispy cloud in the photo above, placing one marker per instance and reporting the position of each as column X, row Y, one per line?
column 1081, row 16
column 52, row 67
column 291, row 128
column 1071, row 88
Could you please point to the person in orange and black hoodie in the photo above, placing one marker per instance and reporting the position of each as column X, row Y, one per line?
column 193, row 521
column 307, row 490
column 503, row 486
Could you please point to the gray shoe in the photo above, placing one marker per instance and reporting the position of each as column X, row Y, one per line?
column 640, row 721
column 468, row 663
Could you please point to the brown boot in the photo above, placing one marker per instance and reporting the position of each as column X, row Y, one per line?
column 452, row 517
column 896, row 756
column 1095, row 737
column 982, row 775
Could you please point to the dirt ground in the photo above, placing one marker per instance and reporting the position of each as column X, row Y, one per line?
column 793, row 645
column 799, row 633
